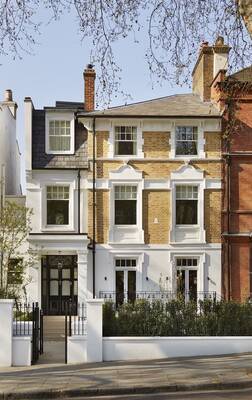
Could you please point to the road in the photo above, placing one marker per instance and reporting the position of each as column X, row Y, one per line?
column 245, row 394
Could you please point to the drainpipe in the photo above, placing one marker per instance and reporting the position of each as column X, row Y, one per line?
column 79, row 177
column 94, row 209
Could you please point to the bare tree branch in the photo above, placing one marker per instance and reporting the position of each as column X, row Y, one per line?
column 175, row 29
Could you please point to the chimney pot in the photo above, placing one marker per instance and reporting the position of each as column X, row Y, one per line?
column 8, row 95
column 219, row 41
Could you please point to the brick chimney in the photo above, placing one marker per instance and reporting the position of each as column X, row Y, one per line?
column 211, row 60
column 89, row 83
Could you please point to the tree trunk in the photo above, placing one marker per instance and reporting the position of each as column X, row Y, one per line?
column 245, row 9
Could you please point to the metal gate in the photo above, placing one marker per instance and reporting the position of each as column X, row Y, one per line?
column 28, row 321
column 37, row 332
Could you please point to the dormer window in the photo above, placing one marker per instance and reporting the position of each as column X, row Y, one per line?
column 125, row 140
column 59, row 134
column 186, row 140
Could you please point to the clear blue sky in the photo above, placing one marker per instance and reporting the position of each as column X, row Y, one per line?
column 54, row 71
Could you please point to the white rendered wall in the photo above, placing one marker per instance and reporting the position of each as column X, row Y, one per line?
column 157, row 265
column 9, row 153
column 6, row 318
column 76, row 349
column 21, row 351
column 146, row 348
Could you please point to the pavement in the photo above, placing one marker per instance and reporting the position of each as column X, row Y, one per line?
column 57, row 380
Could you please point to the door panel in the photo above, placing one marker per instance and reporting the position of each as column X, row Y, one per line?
column 59, row 284
column 119, row 287
column 131, row 285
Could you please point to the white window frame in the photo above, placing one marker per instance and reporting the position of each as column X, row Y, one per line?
column 70, row 227
column 51, row 116
column 187, row 175
column 133, row 138
column 135, row 199
column 126, row 176
column 139, row 137
column 200, row 143
column 186, row 198
column 202, row 281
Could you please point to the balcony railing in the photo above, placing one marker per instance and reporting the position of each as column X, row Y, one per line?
column 162, row 295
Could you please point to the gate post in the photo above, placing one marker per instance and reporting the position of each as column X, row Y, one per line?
column 94, row 330
column 6, row 318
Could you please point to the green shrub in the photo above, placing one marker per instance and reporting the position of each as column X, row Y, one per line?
column 177, row 318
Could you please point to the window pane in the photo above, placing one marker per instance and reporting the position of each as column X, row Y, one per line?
column 57, row 212
column 125, row 212
column 186, row 212
column 186, row 140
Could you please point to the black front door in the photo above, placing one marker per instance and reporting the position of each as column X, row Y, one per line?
column 59, row 284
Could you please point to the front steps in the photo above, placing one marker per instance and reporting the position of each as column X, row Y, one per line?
column 54, row 328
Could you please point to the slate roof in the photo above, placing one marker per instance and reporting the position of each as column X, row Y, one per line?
column 244, row 75
column 180, row 105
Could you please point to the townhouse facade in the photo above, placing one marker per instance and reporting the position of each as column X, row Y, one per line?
column 127, row 201
column 56, row 168
column 157, row 199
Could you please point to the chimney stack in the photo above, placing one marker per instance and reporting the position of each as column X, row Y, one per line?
column 211, row 60
column 8, row 95
column 89, row 83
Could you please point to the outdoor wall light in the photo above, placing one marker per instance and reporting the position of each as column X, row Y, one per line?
column 167, row 278
column 147, row 278
column 105, row 278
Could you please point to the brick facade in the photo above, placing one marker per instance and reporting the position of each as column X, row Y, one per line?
column 212, row 214
column 156, row 216
column 102, row 215
column 156, row 144
column 237, row 172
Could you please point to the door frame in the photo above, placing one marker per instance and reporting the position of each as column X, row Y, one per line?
column 48, row 266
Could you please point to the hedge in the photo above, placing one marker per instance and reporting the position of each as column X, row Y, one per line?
column 177, row 318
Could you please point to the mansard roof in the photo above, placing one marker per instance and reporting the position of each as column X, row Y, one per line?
column 179, row 105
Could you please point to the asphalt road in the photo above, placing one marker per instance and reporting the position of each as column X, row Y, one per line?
column 245, row 394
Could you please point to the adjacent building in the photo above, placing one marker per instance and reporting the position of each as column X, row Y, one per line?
column 9, row 149
column 233, row 94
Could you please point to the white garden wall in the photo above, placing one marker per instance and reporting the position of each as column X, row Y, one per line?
column 21, row 351
column 144, row 348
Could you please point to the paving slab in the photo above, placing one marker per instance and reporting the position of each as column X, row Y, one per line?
column 111, row 378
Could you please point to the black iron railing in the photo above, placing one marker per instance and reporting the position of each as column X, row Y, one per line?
column 22, row 319
column 162, row 295
column 28, row 321
column 75, row 321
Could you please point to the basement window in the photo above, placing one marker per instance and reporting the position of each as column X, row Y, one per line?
column 125, row 140
column 125, row 205
column 57, row 205
column 186, row 140
column 186, row 205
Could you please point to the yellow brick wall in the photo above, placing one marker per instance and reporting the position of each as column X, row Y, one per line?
column 102, row 217
column 101, row 144
column 212, row 144
column 213, row 215
column 156, row 144
column 158, row 169
column 156, row 204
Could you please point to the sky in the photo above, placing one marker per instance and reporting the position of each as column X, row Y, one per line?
column 55, row 71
